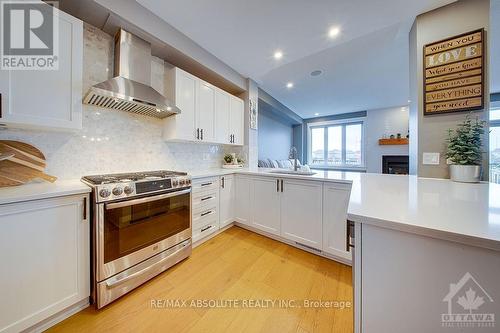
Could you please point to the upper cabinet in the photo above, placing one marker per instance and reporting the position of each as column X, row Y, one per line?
column 208, row 114
column 47, row 99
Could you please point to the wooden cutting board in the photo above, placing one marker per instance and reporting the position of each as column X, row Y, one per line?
column 21, row 163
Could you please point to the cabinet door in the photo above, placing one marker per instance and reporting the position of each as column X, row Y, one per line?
column 301, row 212
column 237, row 120
column 48, row 99
column 226, row 210
column 243, row 199
column 222, row 106
column 205, row 111
column 266, row 205
column 44, row 251
column 336, row 199
column 185, row 100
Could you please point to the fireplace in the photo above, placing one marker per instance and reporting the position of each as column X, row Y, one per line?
column 395, row 164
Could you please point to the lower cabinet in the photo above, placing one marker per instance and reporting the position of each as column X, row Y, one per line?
column 243, row 196
column 301, row 212
column 205, row 207
column 335, row 199
column 227, row 194
column 44, row 251
column 266, row 205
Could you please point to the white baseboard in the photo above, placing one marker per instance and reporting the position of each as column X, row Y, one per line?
column 58, row 317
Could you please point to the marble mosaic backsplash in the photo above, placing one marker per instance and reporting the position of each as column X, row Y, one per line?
column 114, row 141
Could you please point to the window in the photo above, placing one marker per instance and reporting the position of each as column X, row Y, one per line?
column 336, row 144
column 495, row 143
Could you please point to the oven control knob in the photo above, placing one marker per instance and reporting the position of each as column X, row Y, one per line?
column 182, row 182
column 104, row 193
column 117, row 191
column 128, row 190
column 175, row 182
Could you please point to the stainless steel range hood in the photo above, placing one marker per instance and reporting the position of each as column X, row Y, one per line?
column 130, row 90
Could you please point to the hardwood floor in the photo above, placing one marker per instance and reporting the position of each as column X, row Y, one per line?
column 235, row 265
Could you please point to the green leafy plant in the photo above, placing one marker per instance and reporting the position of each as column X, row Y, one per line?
column 465, row 142
column 228, row 158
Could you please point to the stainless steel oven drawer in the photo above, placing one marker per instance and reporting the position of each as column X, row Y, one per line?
column 118, row 285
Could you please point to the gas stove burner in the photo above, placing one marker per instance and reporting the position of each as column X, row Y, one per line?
column 127, row 185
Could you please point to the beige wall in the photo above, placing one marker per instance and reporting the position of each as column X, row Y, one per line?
column 431, row 131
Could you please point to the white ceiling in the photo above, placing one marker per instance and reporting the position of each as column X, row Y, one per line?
column 366, row 67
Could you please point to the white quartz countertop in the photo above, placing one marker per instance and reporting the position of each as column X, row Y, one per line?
column 41, row 190
column 439, row 208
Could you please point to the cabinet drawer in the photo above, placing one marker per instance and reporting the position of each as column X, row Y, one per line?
column 201, row 232
column 205, row 216
column 204, row 199
column 205, row 184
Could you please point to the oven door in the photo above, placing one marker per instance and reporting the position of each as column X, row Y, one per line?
column 132, row 231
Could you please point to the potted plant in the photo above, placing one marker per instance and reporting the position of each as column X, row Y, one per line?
column 464, row 150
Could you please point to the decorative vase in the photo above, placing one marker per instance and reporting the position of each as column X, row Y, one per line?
column 465, row 173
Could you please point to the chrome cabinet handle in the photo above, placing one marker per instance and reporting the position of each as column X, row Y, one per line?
column 206, row 228
column 349, row 236
column 277, row 185
column 282, row 186
column 206, row 184
column 206, row 213
column 198, row 133
column 206, row 198
column 223, row 180
column 202, row 133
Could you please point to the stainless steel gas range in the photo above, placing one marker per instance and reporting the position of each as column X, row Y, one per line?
column 141, row 227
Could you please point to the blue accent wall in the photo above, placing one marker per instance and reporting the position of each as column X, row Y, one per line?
column 275, row 136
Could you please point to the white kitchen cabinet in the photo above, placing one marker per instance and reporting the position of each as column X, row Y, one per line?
column 205, row 207
column 227, row 196
column 266, row 205
column 44, row 251
column 222, row 113
column 335, row 203
column 301, row 212
column 47, row 99
column 236, row 122
column 205, row 111
column 182, row 89
column 243, row 197
column 208, row 114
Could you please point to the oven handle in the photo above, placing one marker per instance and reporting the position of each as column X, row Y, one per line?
column 145, row 200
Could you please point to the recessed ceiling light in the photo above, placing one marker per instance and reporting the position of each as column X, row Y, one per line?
column 289, row 85
column 409, row 101
column 278, row 55
column 316, row 114
column 316, row 73
column 333, row 32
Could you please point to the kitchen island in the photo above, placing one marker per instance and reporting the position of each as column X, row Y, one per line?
column 419, row 246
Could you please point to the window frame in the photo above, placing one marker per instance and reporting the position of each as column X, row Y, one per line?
column 492, row 123
column 343, row 123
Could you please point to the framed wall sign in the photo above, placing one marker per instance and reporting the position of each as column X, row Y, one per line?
column 454, row 74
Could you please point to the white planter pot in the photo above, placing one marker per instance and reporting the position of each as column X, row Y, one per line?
column 465, row 173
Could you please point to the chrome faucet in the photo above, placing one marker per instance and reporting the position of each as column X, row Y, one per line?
column 293, row 155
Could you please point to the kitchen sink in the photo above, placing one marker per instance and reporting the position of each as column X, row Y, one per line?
column 291, row 172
